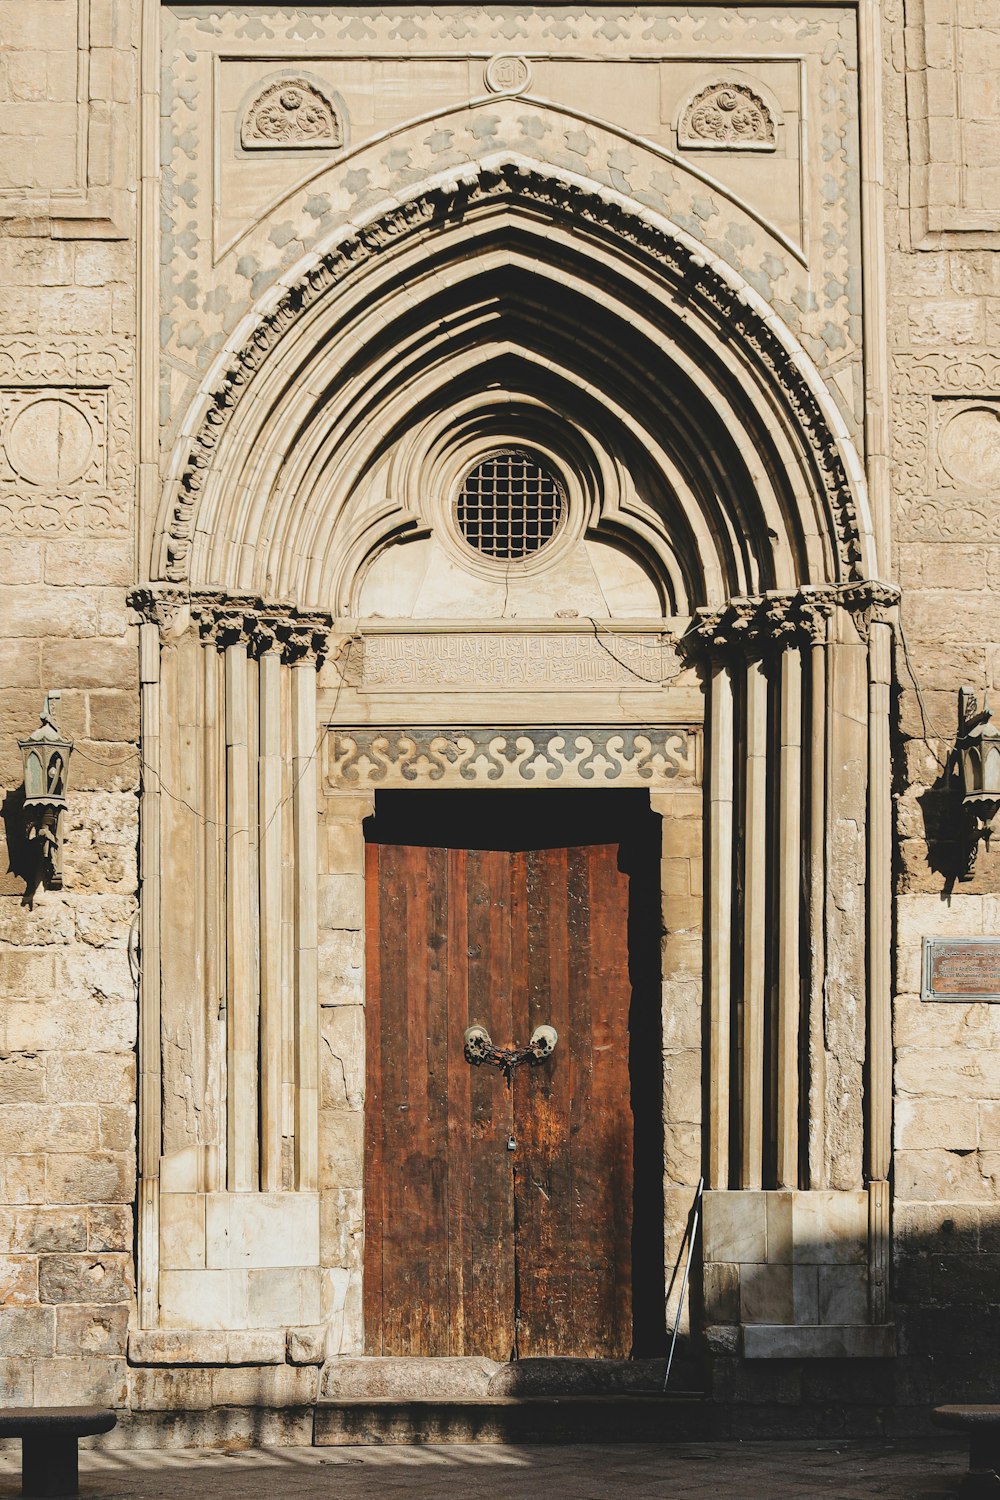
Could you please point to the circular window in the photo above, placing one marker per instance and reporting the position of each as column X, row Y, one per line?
column 509, row 505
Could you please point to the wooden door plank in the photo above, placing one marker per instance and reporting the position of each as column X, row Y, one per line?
column 461, row 1208
column 573, row 1115
column 436, row 1042
column 610, row 1146
column 374, row 1162
column 489, row 1308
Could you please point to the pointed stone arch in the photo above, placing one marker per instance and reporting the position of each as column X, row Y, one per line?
column 758, row 484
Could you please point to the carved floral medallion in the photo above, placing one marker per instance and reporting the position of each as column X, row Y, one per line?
column 291, row 113
column 727, row 116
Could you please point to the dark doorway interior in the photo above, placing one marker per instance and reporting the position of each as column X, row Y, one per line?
column 525, row 1218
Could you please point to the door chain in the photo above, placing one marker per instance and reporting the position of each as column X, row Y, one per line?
column 479, row 1049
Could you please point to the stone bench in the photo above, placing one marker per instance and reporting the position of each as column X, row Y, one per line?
column 982, row 1424
column 49, row 1435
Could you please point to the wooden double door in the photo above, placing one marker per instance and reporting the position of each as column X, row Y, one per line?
column 521, row 1217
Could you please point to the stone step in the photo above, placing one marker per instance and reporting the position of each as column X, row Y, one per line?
column 368, row 1421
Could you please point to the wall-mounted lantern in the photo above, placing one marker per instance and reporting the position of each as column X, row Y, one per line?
column 46, row 756
column 977, row 752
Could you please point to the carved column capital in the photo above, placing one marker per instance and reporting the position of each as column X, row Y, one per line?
column 163, row 606
column 871, row 603
column 306, row 638
column 760, row 625
column 262, row 626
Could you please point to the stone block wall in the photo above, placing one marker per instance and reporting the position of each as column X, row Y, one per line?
column 69, row 174
column 67, row 996
column 943, row 240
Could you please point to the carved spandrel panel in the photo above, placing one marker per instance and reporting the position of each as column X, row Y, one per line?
column 656, row 758
column 430, row 663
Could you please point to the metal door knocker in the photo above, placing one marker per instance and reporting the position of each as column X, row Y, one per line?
column 479, row 1049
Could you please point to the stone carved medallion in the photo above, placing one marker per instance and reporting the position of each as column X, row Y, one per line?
column 727, row 116
column 52, row 439
column 507, row 73
column 650, row 757
column 291, row 113
column 969, row 447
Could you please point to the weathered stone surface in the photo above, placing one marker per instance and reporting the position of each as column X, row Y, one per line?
column 84, row 1278
column 91, row 1330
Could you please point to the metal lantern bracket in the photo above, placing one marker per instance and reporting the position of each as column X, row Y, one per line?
column 977, row 753
column 45, row 755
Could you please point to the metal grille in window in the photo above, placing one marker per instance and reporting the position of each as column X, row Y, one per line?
column 509, row 505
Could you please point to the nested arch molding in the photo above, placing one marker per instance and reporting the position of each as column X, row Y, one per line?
column 718, row 455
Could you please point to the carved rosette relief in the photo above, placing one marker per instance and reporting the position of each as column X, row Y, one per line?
column 291, row 113
column 727, row 117
column 358, row 758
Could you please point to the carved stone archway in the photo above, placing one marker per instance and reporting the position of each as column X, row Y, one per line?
column 754, row 526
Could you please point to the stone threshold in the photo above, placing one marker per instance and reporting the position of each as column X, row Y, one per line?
column 220, row 1347
column 364, row 1422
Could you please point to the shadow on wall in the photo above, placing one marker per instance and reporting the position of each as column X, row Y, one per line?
column 22, row 860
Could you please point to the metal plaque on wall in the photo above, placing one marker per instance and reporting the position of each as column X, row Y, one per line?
column 961, row 969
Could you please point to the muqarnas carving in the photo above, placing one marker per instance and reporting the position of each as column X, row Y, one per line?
column 291, row 113
column 727, row 116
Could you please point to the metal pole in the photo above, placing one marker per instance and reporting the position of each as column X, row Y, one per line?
column 692, row 1232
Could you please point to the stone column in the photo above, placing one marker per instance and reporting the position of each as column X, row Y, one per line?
column 754, row 924
column 816, row 888
column 304, row 814
column 269, row 772
column 879, row 1123
column 719, row 886
column 789, row 895
column 241, row 936
column 150, row 1092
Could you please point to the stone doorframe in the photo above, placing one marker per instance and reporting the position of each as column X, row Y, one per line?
column 278, row 772
column 360, row 761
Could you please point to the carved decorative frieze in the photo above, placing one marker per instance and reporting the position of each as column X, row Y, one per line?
column 645, row 757
column 705, row 290
column 727, row 117
column 510, row 661
column 291, row 113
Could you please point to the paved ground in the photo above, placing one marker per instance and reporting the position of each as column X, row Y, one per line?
column 732, row 1471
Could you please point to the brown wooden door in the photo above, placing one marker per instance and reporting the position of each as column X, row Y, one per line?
column 500, row 1218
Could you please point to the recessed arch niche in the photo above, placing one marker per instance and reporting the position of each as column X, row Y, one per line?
column 700, row 448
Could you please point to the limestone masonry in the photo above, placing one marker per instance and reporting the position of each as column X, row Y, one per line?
column 595, row 410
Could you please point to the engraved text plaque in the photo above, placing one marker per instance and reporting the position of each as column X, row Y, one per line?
column 961, row 969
